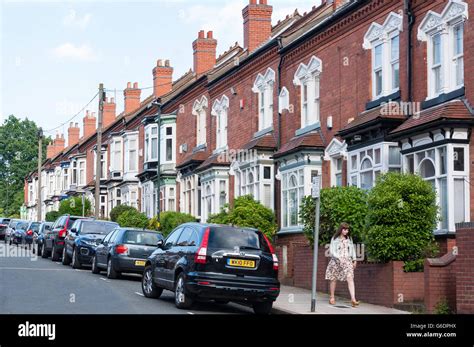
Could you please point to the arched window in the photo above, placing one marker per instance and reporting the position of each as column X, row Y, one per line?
column 367, row 174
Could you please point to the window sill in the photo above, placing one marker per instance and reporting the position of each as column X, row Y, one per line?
column 382, row 99
column 308, row 129
column 199, row 148
column 441, row 98
column 290, row 230
column 220, row 149
column 263, row 132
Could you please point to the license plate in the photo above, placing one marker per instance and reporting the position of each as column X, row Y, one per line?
column 241, row 263
column 140, row 263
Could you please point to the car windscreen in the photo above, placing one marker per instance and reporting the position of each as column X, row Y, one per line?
column 143, row 238
column 35, row 226
column 97, row 228
column 21, row 225
column 229, row 238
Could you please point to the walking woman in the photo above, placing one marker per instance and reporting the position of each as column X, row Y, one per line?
column 343, row 262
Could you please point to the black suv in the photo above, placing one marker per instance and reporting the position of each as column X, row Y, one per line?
column 54, row 238
column 218, row 262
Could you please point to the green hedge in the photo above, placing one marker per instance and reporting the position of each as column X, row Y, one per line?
column 133, row 219
column 52, row 216
column 338, row 204
column 402, row 214
column 170, row 220
column 73, row 206
column 118, row 210
column 247, row 212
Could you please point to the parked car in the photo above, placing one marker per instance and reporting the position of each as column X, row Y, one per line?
column 82, row 240
column 125, row 250
column 31, row 233
column 40, row 238
column 17, row 235
column 217, row 262
column 3, row 227
column 9, row 234
column 54, row 238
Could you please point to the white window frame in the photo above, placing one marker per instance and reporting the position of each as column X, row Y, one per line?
column 307, row 77
column 103, row 160
column 379, row 163
column 190, row 195
column 116, row 153
column 131, row 154
column 163, row 147
column 264, row 88
column 443, row 24
column 381, row 35
column 220, row 109
column 151, row 135
column 199, row 110
column 449, row 174
column 82, row 172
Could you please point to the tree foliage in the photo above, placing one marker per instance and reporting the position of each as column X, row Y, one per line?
column 52, row 216
column 247, row 212
column 73, row 206
column 170, row 220
column 18, row 157
column 338, row 204
column 133, row 219
column 118, row 210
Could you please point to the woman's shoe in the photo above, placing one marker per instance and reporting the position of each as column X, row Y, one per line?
column 332, row 301
column 355, row 303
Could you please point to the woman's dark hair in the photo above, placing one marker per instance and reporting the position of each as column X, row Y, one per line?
column 339, row 230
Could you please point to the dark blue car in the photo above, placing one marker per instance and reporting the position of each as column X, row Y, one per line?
column 40, row 237
column 82, row 240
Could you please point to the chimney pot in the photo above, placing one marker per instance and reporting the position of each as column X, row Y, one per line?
column 159, row 62
column 135, row 85
column 204, row 52
column 209, row 35
column 201, row 34
column 129, row 84
column 257, row 24
column 167, row 63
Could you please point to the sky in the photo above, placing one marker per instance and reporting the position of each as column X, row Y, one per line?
column 54, row 54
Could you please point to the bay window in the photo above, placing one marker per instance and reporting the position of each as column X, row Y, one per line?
column 82, row 173
column 151, row 143
column 167, row 150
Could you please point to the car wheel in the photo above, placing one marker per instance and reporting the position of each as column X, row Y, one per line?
column 66, row 260
column 95, row 268
column 76, row 264
column 181, row 298
column 149, row 289
column 44, row 252
column 111, row 273
column 54, row 254
column 262, row 308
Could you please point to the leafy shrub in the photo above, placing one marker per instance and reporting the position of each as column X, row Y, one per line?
column 417, row 265
column 118, row 210
column 170, row 220
column 52, row 216
column 133, row 219
column 338, row 204
column 401, row 218
column 247, row 212
column 73, row 206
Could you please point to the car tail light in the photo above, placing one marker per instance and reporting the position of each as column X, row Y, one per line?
column 201, row 255
column 121, row 249
column 62, row 232
column 204, row 283
column 272, row 251
column 29, row 232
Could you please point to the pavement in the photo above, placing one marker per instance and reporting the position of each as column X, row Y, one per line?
column 294, row 300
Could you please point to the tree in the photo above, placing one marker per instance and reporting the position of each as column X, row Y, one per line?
column 402, row 214
column 52, row 216
column 118, row 210
column 133, row 219
column 338, row 204
column 73, row 206
column 170, row 220
column 18, row 157
column 247, row 212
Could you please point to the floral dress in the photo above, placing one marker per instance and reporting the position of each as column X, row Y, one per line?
column 342, row 267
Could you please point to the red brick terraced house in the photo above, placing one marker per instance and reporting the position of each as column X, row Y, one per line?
column 348, row 91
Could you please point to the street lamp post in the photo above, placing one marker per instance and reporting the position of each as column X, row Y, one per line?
column 40, row 160
column 158, row 166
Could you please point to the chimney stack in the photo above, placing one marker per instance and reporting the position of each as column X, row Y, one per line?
column 73, row 134
column 204, row 48
column 131, row 97
column 109, row 112
column 162, row 78
column 89, row 124
column 257, row 24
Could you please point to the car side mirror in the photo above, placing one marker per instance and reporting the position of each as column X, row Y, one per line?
column 74, row 230
column 160, row 244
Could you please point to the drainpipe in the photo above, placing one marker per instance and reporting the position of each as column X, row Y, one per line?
column 280, row 64
column 158, row 166
column 411, row 21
